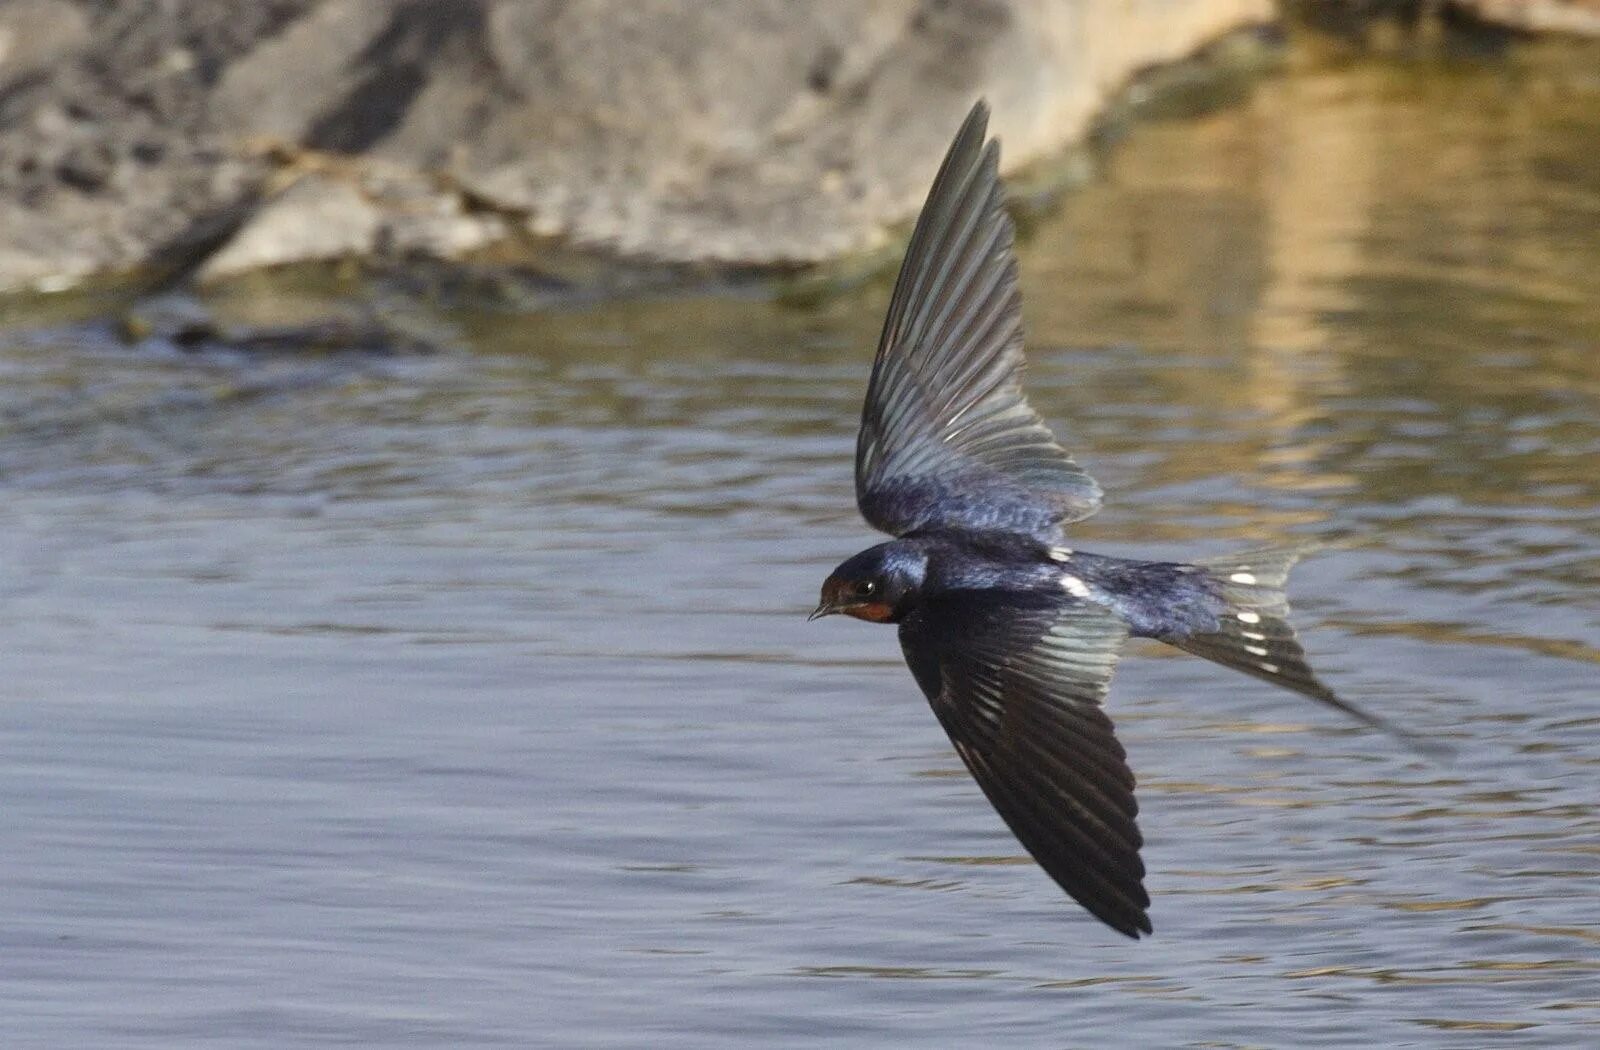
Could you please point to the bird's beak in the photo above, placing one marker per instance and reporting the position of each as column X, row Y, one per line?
column 822, row 610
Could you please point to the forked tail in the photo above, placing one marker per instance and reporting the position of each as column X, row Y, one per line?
column 1255, row 636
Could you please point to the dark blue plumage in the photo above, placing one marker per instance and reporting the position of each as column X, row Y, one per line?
column 1155, row 599
column 1012, row 635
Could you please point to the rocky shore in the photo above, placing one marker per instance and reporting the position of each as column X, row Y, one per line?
column 212, row 137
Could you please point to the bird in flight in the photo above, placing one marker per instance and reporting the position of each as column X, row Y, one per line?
column 1012, row 633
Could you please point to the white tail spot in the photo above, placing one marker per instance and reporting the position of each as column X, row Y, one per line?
column 1060, row 553
column 1074, row 586
column 1269, row 668
column 1243, row 577
column 1254, row 636
column 1255, row 650
column 1248, row 617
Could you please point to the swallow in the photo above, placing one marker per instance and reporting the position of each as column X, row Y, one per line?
column 1012, row 633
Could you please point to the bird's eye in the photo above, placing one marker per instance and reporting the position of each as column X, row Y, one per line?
column 865, row 588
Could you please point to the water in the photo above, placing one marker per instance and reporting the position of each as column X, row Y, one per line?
column 468, row 700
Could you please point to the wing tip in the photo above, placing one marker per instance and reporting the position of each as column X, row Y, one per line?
column 1132, row 925
column 972, row 147
column 977, row 117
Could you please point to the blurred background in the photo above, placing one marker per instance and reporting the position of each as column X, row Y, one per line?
column 424, row 428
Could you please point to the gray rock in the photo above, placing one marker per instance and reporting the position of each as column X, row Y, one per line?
column 35, row 33
column 315, row 218
column 738, row 131
column 185, row 323
column 1578, row 17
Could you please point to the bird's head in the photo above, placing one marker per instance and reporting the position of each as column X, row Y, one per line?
column 879, row 584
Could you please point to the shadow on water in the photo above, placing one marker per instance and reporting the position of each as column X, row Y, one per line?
column 467, row 699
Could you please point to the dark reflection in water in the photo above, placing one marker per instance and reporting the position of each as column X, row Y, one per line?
column 468, row 700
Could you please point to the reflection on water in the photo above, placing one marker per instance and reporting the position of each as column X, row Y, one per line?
column 468, row 700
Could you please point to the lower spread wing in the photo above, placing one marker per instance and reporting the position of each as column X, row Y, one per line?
column 947, row 436
column 1018, row 682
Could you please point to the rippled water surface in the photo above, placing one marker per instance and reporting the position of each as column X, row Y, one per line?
column 468, row 700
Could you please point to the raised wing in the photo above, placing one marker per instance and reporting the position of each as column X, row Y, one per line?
column 947, row 436
column 1018, row 681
